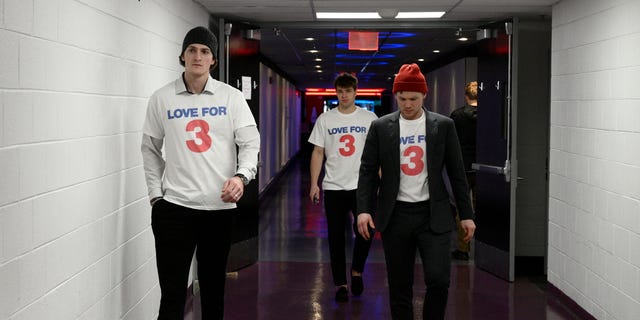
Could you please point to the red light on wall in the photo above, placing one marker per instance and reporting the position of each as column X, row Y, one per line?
column 331, row 91
column 360, row 94
column 242, row 47
column 370, row 90
column 363, row 40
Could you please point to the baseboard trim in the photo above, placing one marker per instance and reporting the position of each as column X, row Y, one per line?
column 569, row 303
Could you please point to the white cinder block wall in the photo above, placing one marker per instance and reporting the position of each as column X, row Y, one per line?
column 75, row 75
column 279, row 121
column 594, row 204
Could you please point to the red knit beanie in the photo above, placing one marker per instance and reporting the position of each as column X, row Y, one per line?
column 410, row 78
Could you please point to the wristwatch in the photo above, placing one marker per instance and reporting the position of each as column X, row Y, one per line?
column 244, row 179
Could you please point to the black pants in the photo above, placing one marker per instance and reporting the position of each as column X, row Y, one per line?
column 178, row 231
column 337, row 205
column 409, row 229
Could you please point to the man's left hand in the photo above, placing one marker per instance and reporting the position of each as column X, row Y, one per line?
column 232, row 189
column 469, row 228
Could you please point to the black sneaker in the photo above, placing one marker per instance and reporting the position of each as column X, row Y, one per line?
column 460, row 255
column 342, row 295
column 357, row 286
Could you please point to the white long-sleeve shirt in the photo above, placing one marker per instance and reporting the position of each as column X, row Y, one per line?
column 200, row 133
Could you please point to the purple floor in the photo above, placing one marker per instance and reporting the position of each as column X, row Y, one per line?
column 292, row 279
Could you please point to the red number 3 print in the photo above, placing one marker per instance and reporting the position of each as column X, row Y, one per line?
column 202, row 134
column 349, row 147
column 415, row 165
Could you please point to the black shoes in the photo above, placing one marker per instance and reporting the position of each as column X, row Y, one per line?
column 342, row 295
column 357, row 286
column 460, row 255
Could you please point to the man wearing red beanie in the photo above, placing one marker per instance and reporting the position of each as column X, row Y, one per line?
column 412, row 147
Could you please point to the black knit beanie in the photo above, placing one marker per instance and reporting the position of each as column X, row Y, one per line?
column 201, row 35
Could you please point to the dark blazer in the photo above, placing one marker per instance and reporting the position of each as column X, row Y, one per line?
column 382, row 150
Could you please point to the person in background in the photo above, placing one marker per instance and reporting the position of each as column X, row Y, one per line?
column 339, row 136
column 193, row 193
column 465, row 119
column 412, row 147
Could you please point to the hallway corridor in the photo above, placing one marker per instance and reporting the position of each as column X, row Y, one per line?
column 292, row 279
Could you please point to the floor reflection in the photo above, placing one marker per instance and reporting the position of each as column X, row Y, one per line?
column 292, row 279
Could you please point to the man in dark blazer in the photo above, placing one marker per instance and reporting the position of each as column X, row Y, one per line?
column 402, row 165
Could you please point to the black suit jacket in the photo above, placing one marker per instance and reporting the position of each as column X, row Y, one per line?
column 382, row 150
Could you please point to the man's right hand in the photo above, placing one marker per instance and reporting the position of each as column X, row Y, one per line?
column 314, row 194
column 365, row 223
column 154, row 200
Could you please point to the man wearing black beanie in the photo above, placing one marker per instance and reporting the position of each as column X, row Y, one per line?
column 193, row 193
column 200, row 35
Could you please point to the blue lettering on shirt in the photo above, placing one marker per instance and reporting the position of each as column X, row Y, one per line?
column 407, row 140
column 178, row 113
column 358, row 129
column 412, row 139
column 182, row 113
column 214, row 111
column 337, row 130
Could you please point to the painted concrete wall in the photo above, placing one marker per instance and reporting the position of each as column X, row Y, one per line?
column 280, row 109
column 75, row 75
column 594, row 191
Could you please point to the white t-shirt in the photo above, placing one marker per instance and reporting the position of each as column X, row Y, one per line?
column 199, row 132
column 342, row 136
column 413, row 160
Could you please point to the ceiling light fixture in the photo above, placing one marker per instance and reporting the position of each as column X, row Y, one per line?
column 347, row 15
column 381, row 14
column 436, row 51
column 420, row 15
column 387, row 13
column 460, row 36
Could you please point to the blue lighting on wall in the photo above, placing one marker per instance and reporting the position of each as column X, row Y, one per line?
column 355, row 63
column 381, row 35
column 386, row 46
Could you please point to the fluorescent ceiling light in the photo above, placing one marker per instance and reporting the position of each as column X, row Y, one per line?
column 347, row 15
column 419, row 15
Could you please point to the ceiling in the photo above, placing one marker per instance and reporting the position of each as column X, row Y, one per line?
column 285, row 24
